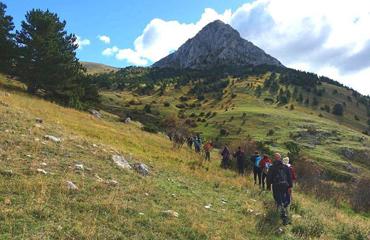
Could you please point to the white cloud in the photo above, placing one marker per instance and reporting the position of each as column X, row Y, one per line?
column 110, row 51
column 82, row 42
column 328, row 37
column 104, row 39
column 131, row 57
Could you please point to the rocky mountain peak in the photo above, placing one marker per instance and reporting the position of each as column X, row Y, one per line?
column 216, row 44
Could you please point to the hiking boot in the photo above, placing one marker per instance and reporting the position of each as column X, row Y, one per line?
column 285, row 221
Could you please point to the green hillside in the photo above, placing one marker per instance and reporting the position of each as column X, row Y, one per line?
column 239, row 113
column 113, row 203
column 98, row 68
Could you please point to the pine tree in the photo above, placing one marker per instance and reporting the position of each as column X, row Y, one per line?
column 48, row 59
column 7, row 43
column 338, row 109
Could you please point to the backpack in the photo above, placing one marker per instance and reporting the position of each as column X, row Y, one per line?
column 281, row 178
column 266, row 168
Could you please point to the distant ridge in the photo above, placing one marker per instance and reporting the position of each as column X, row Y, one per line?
column 93, row 68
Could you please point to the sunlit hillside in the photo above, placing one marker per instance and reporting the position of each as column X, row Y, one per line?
column 114, row 203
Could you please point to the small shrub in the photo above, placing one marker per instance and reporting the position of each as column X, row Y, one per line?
column 147, row 108
column 224, row 132
column 351, row 233
column 268, row 100
column 311, row 228
column 201, row 97
column 360, row 200
column 181, row 105
column 166, row 104
column 151, row 128
column 184, row 98
column 270, row 132
column 338, row 109
column 357, row 118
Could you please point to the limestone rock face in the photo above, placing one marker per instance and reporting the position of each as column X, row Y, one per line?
column 215, row 45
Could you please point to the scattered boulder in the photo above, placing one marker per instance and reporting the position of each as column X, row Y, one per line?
column 121, row 162
column 171, row 213
column 71, row 186
column 112, row 182
column 52, row 138
column 98, row 178
column 79, row 167
column 208, row 206
column 141, row 168
column 127, row 120
column 348, row 153
column 40, row 170
column 350, row 168
column 95, row 113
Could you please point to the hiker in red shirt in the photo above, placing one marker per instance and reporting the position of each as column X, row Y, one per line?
column 293, row 176
column 207, row 149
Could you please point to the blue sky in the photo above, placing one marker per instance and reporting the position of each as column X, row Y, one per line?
column 328, row 37
column 122, row 20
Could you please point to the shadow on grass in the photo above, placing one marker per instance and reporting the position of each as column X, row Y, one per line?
column 270, row 222
column 12, row 85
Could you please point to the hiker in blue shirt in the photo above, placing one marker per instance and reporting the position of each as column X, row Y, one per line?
column 197, row 143
column 257, row 171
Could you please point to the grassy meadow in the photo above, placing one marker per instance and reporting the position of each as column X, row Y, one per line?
column 34, row 205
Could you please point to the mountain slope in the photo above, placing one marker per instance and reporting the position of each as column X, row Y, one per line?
column 97, row 68
column 35, row 205
column 216, row 44
column 236, row 112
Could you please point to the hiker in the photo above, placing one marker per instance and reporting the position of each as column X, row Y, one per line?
column 280, row 178
column 207, row 149
column 257, row 172
column 265, row 164
column 286, row 162
column 240, row 160
column 225, row 157
column 189, row 141
column 197, row 143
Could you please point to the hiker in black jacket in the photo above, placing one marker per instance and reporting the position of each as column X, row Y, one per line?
column 280, row 178
column 240, row 161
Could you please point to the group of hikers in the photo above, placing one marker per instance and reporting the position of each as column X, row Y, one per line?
column 277, row 175
column 198, row 142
